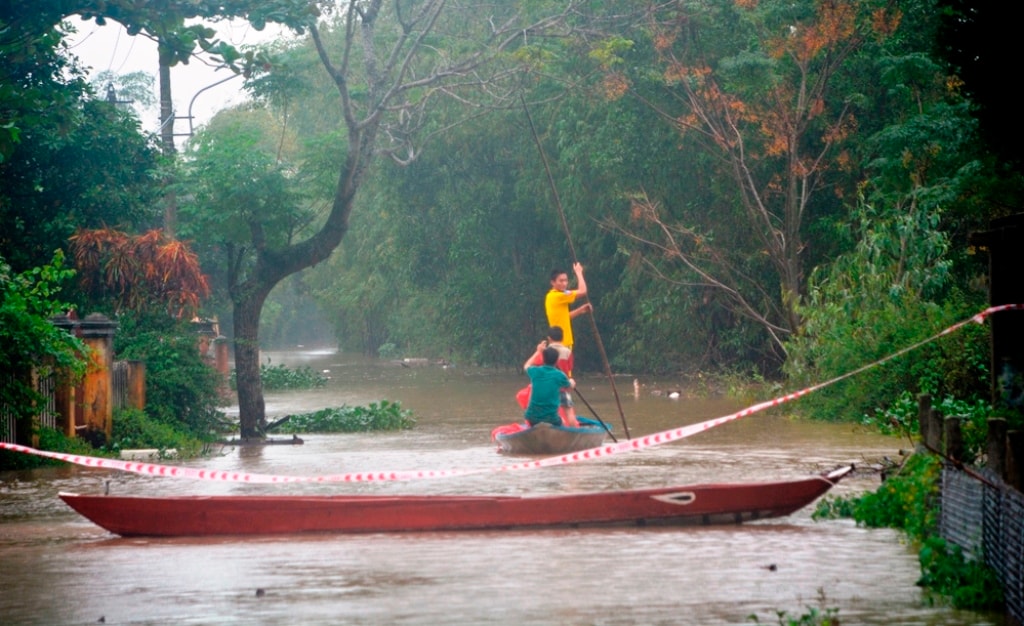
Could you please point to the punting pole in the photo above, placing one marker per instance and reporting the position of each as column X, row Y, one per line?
column 596, row 416
column 572, row 250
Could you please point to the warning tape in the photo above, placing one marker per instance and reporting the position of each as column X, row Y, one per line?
column 648, row 441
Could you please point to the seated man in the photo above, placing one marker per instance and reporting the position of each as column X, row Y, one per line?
column 546, row 382
column 564, row 363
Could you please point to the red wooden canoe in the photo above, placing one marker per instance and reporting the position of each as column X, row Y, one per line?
column 288, row 514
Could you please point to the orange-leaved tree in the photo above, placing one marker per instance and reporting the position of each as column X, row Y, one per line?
column 762, row 88
column 139, row 272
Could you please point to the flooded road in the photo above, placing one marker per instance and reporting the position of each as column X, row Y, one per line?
column 57, row 568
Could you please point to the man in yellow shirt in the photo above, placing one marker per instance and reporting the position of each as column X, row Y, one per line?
column 557, row 302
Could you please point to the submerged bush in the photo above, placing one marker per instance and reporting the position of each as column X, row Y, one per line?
column 278, row 377
column 349, row 419
column 134, row 429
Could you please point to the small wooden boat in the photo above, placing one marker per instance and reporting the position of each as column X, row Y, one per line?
column 520, row 438
column 198, row 516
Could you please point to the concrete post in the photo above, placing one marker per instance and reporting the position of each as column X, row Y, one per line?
column 1015, row 459
column 934, row 430
column 953, row 438
column 995, row 446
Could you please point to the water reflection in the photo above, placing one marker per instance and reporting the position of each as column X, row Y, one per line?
column 60, row 569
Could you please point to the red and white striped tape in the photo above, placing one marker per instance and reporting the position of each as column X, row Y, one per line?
column 648, row 441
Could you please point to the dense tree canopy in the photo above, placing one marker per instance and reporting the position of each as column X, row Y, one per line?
column 777, row 187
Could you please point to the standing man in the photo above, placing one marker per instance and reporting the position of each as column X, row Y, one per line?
column 557, row 302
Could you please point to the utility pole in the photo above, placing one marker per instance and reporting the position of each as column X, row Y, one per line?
column 167, row 140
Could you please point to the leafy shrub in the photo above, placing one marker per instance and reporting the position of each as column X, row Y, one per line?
column 181, row 390
column 968, row 583
column 388, row 351
column 907, row 500
column 349, row 419
column 134, row 429
column 28, row 339
column 901, row 417
column 891, row 291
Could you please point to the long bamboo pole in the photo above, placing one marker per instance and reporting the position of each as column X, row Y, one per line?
column 572, row 250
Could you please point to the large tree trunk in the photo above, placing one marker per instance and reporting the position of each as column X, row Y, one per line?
column 252, row 413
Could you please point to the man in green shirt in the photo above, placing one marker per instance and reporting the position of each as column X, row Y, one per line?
column 547, row 382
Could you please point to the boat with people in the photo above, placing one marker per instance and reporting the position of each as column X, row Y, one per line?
column 548, row 439
column 224, row 515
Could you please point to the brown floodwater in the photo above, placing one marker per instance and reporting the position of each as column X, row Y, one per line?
column 58, row 568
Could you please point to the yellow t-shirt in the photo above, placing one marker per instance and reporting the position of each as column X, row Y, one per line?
column 556, row 304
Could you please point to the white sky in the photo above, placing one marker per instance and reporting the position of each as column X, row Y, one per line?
column 103, row 48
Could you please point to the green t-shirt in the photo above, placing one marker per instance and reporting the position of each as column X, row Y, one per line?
column 546, row 382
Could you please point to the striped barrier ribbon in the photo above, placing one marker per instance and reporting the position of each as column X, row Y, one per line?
column 647, row 441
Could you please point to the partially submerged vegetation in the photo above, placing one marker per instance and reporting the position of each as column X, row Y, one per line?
column 384, row 415
column 280, row 377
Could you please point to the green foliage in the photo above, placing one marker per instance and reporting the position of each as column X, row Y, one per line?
column 236, row 176
column 278, row 377
column 98, row 171
column 888, row 294
column 384, row 415
column 181, row 390
column 28, row 339
column 901, row 418
column 967, row 582
column 135, row 429
column 448, row 255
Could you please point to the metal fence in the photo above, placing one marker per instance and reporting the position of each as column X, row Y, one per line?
column 46, row 411
column 987, row 521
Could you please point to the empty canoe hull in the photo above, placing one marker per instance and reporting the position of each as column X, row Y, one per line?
column 286, row 514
